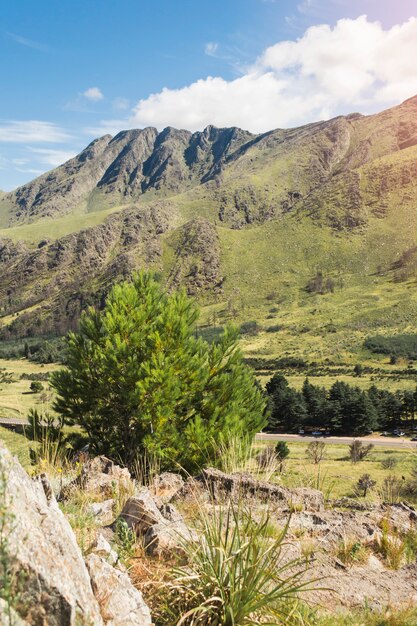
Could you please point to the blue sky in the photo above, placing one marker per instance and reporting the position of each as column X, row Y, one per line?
column 72, row 70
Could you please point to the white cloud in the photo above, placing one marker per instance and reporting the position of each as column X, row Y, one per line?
column 52, row 157
column 121, row 104
column 32, row 131
column 108, row 127
column 211, row 48
column 93, row 93
column 28, row 43
column 354, row 65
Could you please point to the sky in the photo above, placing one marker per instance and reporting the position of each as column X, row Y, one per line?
column 73, row 70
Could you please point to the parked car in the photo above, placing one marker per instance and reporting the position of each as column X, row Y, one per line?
column 414, row 438
column 301, row 432
column 385, row 434
column 398, row 433
column 317, row 433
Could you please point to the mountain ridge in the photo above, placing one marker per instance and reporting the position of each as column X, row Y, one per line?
column 231, row 216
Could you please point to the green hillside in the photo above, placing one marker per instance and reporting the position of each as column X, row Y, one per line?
column 309, row 232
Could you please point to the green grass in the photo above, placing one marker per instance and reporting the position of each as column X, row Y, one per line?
column 337, row 475
column 17, row 444
column 16, row 398
column 57, row 227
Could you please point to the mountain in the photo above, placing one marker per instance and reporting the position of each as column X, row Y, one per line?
column 310, row 230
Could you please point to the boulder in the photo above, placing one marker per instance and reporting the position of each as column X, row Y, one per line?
column 167, row 484
column 237, row 486
column 100, row 475
column 102, row 548
column 52, row 580
column 120, row 602
column 167, row 540
column 141, row 512
column 103, row 511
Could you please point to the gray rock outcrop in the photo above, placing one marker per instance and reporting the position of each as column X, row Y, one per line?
column 53, row 585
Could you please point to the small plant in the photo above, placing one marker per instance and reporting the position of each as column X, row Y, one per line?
column 316, row 451
column 364, row 484
column 125, row 539
column 390, row 546
column 410, row 544
column 391, row 490
column 359, row 451
column 351, row 551
column 282, row 452
column 234, row 575
column 389, row 463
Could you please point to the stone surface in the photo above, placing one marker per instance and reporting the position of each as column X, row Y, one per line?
column 167, row 484
column 103, row 511
column 239, row 485
column 55, row 586
column 141, row 512
column 102, row 548
column 100, row 475
column 120, row 602
column 166, row 540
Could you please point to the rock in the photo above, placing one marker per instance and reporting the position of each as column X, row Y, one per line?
column 120, row 602
column 141, row 512
column 167, row 484
column 103, row 511
column 102, row 548
column 101, row 474
column 240, row 485
column 53, row 581
column 170, row 513
column 167, row 540
column 351, row 503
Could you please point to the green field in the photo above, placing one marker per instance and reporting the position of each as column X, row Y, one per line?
column 337, row 476
column 16, row 398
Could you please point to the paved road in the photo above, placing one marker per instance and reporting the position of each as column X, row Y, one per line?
column 384, row 442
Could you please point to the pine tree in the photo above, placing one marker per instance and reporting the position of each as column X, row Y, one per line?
column 138, row 379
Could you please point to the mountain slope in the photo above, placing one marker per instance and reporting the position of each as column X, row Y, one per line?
column 243, row 221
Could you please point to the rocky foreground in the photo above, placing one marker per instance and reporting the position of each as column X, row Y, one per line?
column 50, row 581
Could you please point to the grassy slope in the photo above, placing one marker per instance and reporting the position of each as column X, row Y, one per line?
column 280, row 256
column 16, row 398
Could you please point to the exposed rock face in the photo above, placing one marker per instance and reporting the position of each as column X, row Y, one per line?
column 141, row 512
column 238, row 485
column 55, row 271
column 55, row 585
column 120, row 603
column 197, row 258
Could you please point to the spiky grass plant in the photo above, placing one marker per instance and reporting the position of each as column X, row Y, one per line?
column 234, row 576
column 241, row 454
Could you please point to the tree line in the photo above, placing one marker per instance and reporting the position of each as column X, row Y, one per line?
column 344, row 408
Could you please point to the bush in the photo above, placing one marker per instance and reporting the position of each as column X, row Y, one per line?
column 250, row 328
column 36, row 387
column 138, row 379
column 316, row 451
column 358, row 451
column 389, row 463
column 364, row 484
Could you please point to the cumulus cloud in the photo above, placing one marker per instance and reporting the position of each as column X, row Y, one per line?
column 93, row 93
column 328, row 71
column 32, row 131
